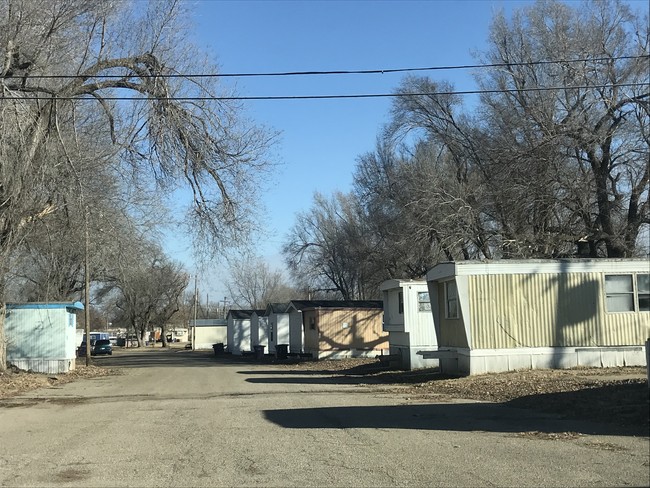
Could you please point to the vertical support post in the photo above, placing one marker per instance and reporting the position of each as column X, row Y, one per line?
column 87, row 285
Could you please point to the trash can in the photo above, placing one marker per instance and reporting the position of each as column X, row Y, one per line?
column 259, row 352
column 282, row 351
column 218, row 348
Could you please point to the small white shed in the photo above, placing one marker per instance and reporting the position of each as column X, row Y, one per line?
column 206, row 332
column 279, row 329
column 239, row 331
column 259, row 329
column 409, row 322
column 41, row 337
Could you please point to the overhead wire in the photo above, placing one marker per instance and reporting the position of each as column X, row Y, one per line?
column 331, row 97
column 336, row 72
column 345, row 72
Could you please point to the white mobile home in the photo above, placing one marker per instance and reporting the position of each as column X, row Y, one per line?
column 206, row 332
column 409, row 322
column 505, row 315
column 239, row 331
column 278, row 319
column 42, row 336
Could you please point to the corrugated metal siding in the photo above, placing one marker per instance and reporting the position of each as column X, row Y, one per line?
column 36, row 333
column 547, row 310
column 363, row 330
column 41, row 339
column 452, row 331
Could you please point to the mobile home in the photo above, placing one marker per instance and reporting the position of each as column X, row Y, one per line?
column 505, row 315
column 409, row 322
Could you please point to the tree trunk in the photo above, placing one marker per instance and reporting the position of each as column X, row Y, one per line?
column 3, row 342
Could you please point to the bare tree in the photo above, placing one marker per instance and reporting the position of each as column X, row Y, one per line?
column 253, row 284
column 587, row 128
column 150, row 292
column 63, row 65
column 329, row 246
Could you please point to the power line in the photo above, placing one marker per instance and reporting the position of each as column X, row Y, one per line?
column 342, row 72
column 332, row 97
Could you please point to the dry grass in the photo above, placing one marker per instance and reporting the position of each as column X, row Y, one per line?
column 14, row 381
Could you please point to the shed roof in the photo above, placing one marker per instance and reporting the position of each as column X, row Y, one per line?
column 240, row 314
column 44, row 305
column 395, row 283
column 277, row 308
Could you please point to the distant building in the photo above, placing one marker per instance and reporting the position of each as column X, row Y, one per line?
column 206, row 332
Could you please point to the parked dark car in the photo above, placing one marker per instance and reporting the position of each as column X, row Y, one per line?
column 102, row 346
column 81, row 350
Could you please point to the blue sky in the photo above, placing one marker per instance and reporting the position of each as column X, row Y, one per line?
column 321, row 139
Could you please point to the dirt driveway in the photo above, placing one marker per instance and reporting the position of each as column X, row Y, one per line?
column 176, row 418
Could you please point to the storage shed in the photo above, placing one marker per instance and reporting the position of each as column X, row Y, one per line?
column 239, row 331
column 259, row 329
column 278, row 319
column 504, row 315
column 338, row 328
column 206, row 332
column 409, row 322
column 42, row 337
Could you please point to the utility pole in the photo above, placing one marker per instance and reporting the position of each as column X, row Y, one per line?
column 225, row 301
column 196, row 303
column 87, row 285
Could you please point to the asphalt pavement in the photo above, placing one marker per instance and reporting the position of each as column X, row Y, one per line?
column 181, row 418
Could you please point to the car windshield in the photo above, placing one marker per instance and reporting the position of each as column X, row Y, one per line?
column 103, row 342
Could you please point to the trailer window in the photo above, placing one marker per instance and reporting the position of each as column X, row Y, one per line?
column 643, row 289
column 424, row 304
column 619, row 293
column 451, row 300
column 624, row 293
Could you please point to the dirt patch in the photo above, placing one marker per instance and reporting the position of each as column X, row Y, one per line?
column 611, row 395
column 71, row 475
column 15, row 381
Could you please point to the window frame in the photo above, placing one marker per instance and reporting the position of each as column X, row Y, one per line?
column 453, row 299
column 635, row 293
column 424, row 305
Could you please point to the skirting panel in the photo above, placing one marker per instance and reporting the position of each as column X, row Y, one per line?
column 480, row 361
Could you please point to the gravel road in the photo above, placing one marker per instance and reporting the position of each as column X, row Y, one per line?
column 182, row 418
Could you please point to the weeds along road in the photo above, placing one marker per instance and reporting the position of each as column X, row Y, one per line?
column 182, row 418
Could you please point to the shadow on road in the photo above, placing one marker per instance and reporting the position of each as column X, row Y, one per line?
column 155, row 358
column 463, row 417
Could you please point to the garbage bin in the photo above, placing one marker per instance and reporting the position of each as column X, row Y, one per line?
column 282, row 351
column 218, row 348
column 259, row 352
